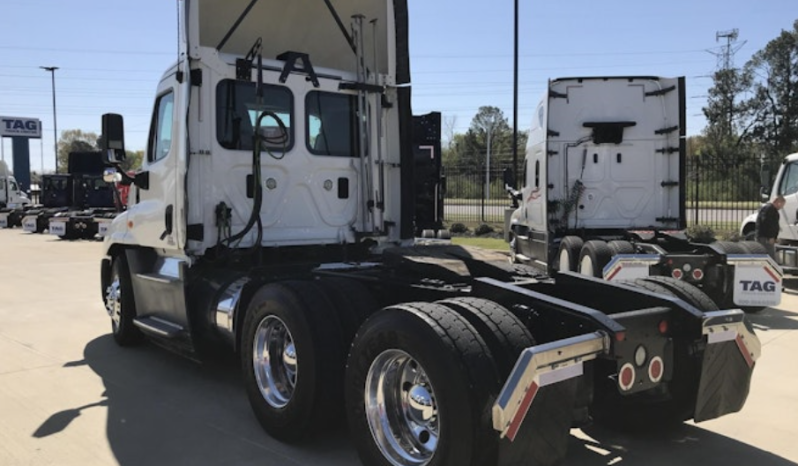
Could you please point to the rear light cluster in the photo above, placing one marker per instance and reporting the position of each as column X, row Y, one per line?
column 697, row 274
column 654, row 367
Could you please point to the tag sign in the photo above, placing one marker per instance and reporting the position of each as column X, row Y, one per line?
column 20, row 127
column 754, row 286
column 29, row 224
column 58, row 228
column 102, row 228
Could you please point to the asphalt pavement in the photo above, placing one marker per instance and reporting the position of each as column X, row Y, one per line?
column 70, row 396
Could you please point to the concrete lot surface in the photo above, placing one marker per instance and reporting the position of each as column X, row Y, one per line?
column 70, row 396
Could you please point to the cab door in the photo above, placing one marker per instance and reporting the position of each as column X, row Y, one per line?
column 788, row 187
column 152, row 220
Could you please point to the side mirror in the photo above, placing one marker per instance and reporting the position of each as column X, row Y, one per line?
column 112, row 141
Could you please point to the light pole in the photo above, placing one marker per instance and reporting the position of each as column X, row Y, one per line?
column 52, row 69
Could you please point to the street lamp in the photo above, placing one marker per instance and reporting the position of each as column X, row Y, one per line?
column 52, row 69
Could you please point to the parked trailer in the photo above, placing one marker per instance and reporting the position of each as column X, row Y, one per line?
column 274, row 216
column 604, row 193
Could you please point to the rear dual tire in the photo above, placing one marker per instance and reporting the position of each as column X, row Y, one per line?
column 595, row 254
column 292, row 357
column 417, row 385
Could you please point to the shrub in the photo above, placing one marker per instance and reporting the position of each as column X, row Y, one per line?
column 483, row 229
column 458, row 228
column 700, row 234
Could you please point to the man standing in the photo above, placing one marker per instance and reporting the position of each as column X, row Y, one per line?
column 767, row 225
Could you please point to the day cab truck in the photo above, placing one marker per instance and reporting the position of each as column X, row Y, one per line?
column 55, row 197
column 13, row 202
column 785, row 184
column 604, row 193
column 274, row 216
column 92, row 198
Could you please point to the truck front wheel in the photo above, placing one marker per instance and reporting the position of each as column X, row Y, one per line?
column 120, row 304
column 418, row 382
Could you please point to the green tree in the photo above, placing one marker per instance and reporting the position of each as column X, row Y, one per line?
column 471, row 147
column 74, row 140
column 774, row 105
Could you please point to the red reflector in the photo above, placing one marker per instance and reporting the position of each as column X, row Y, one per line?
column 698, row 274
column 663, row 327
column 677, row 274
column 655, row 369
column 626, row 378
column 620, row 336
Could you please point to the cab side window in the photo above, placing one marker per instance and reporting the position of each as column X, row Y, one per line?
column 331, row 124
column 13, row 185
column 789, row 184
column 161, row 128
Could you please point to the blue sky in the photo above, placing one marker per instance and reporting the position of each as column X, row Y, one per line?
column 111, row 54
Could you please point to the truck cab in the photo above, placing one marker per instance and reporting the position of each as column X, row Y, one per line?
column 784, row 184
column 13, row 201
column 321, row 177
column 603, row 192
column 56, row 196
column 11, row 196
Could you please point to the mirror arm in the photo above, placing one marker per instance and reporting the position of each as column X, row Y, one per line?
column 127, row 180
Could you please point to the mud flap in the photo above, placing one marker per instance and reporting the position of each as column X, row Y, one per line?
column 542, row 439
column 728, row 363
column 534, row 410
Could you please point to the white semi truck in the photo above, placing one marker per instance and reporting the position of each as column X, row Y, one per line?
column 13, row 201
column 785, row 184
column 274, row 215
column 604, row 193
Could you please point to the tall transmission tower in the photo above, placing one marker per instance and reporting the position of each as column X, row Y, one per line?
column 726, row 54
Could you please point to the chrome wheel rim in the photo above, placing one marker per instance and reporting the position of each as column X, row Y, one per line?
column 275, row 362
column 401, row 409
column 586, row 267
column 113, row 302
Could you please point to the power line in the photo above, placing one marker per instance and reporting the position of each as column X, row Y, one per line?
column 575, row 54
column 82, row 51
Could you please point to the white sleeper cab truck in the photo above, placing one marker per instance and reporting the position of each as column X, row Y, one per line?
column 274, row 215
column 786, row 185
column 604, row 194
column 13, row 202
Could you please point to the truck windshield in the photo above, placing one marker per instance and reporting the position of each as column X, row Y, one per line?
column 237, row 112
column 332, row 124
column 789, row 184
